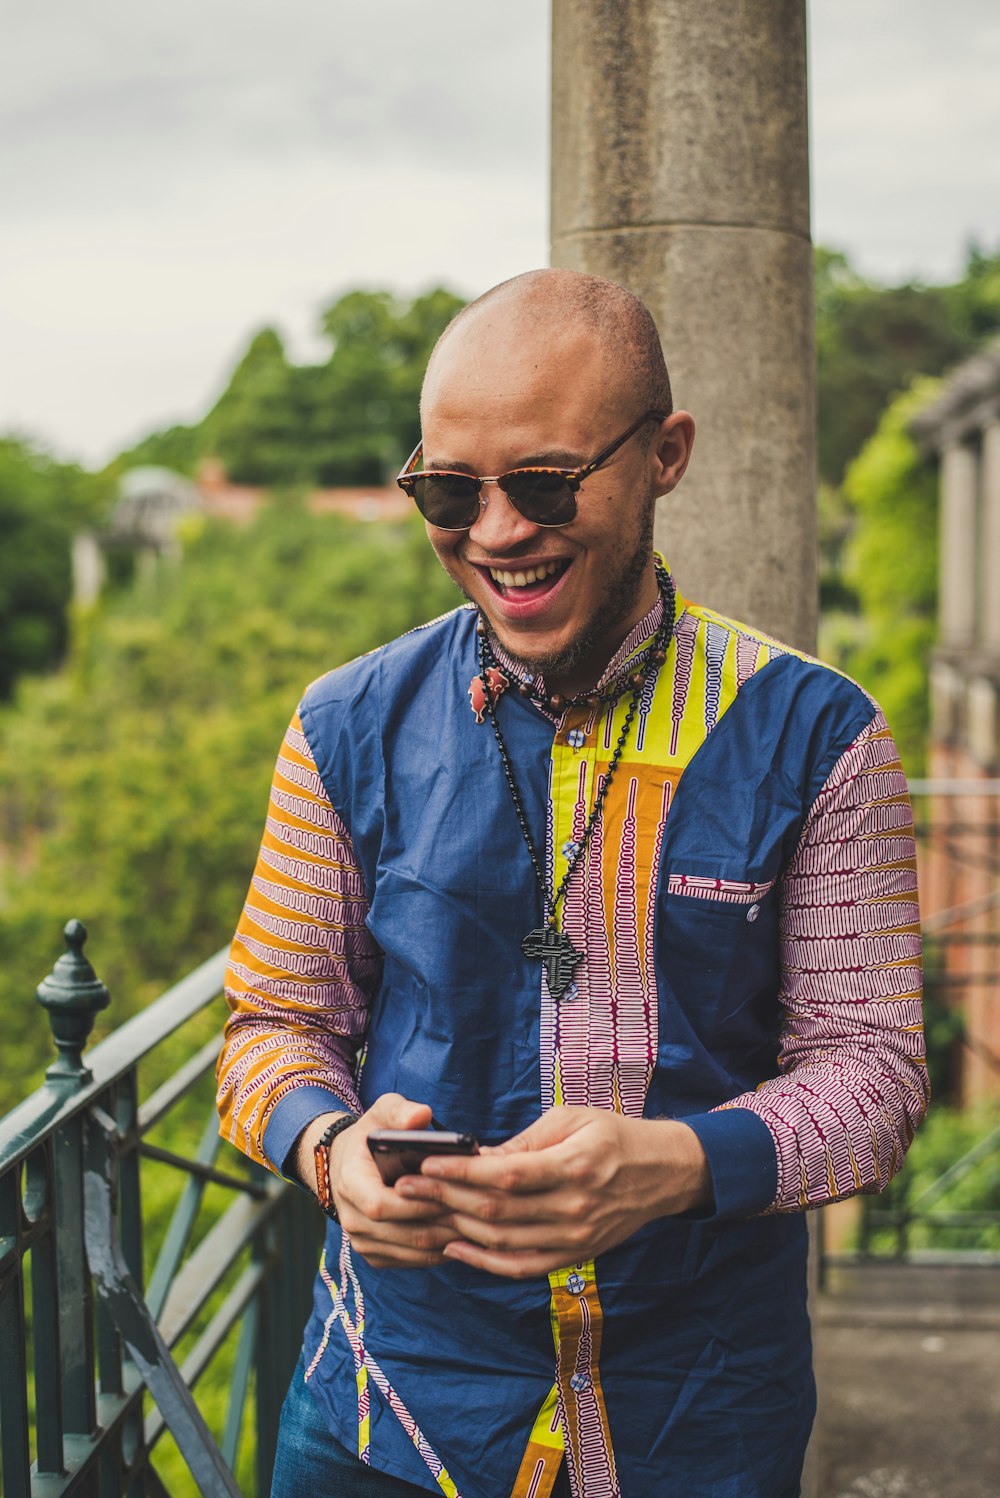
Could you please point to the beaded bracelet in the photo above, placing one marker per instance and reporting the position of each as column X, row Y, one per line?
column 321, row 1154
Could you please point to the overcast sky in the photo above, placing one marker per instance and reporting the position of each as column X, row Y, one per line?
column 172, row 178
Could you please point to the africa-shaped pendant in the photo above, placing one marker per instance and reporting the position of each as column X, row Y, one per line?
column 558, row 955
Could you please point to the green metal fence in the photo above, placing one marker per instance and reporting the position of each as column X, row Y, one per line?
column 952, row 1214
column 95, row 1367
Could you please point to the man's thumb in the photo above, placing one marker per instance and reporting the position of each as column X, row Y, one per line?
column 398, row 1112
column 552, row 1128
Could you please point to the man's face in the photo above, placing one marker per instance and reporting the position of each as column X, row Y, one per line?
column 504, row 395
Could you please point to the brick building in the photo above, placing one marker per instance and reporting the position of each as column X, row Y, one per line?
column 961, row 874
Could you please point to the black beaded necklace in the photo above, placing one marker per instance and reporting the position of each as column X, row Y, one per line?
column 546, row 942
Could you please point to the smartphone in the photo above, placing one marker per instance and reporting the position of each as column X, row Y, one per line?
column 398, row 1152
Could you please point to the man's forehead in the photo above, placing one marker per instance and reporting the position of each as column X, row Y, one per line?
column 490, row 353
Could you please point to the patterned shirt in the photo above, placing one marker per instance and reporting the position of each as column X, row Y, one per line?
column 746, row 910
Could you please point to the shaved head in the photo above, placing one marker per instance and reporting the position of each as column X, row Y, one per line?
column 554, row 370
column 552, row 299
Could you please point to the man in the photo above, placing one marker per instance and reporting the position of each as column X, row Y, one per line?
column 622, row 888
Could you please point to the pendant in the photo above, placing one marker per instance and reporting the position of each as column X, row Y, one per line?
column 558, row 956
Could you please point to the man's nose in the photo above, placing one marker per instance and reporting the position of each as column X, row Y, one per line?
column 499, row 526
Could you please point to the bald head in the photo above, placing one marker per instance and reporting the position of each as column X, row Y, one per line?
column 544, row 305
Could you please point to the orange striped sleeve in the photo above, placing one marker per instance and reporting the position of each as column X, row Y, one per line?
column 302, row 969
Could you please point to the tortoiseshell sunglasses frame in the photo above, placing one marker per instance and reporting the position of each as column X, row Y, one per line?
column 572, row 477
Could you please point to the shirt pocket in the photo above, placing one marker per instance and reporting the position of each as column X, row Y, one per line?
column 719, row 944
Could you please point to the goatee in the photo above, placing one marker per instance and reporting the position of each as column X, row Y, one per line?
column 606, row 628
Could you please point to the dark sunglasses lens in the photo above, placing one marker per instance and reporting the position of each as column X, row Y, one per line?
column 543, row 498
column 448, row 500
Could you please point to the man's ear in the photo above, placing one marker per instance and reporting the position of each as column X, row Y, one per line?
column 671, row 451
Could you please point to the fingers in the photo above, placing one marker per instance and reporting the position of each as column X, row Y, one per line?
column 519, row 1172
column 566, row 1222
column 551, row 1128
column 371, row 1212
column 486, row 1203
column 401, row 1246
column 570, row 1236
column 387, row 1230
column 517, row 1265
column 377, row 1203
column 529, row 1161
column 393, row 1111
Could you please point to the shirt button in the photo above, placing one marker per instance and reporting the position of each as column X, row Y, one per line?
column 570, row 850
column 576, row 1284
column 576, row 738
column 753, row 912
column 579, row 1382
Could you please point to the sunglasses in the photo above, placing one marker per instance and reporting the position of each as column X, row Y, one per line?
column 545, row 496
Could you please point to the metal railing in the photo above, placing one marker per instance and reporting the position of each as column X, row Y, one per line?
column 83, row 1345
column 902, row 1209
column 961, row 932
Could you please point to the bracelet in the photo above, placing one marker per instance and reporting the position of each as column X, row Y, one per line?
column 321, row 1154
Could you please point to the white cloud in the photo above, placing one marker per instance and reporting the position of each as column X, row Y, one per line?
column 905, row 127
column 173, row 178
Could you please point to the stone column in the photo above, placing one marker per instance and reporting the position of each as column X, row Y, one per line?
column 959, row 546
column 990, row 558
column 680, row 168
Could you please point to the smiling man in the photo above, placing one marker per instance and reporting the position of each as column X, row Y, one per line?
column 618, row 886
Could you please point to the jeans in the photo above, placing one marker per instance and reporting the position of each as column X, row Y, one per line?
column 311, row 1463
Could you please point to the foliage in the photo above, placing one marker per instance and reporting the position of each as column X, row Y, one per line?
column 257, row 427
column 176, row 447
column 349, row 420
column 133, row 785
column 42, row 502
column 891, row 567
column 877, row 501
column 366, row 398
column 873, row 341
column 834, row 524
column 942, row 1141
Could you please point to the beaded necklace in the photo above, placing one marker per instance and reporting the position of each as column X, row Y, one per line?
column 553, row 947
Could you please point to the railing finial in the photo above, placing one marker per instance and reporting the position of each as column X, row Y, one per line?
column 74, row 996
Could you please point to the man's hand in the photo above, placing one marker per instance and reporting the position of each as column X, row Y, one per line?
column 576, row 1182
column 386, row 1228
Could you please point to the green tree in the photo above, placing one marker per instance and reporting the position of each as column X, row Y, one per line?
column 891, row 565
column 257, row 427
column 178, row 448
column 348, row 420
column 133, row 784
column 42, row 502
column 975, row 300
column 871, row 341
column 364, row 402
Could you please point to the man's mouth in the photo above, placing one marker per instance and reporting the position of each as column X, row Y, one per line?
column 526, row 582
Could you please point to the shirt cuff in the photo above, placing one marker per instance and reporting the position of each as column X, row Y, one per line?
column 289, row 1116
column 742, row 1160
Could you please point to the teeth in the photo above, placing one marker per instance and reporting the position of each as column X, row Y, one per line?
column 522, row 579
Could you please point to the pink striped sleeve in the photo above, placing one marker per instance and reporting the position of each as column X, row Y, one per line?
column 303, row 965
column 854, row 1076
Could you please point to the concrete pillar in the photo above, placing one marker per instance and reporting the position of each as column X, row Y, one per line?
column 680, row 168
column 990, row 558
column 959, row 546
